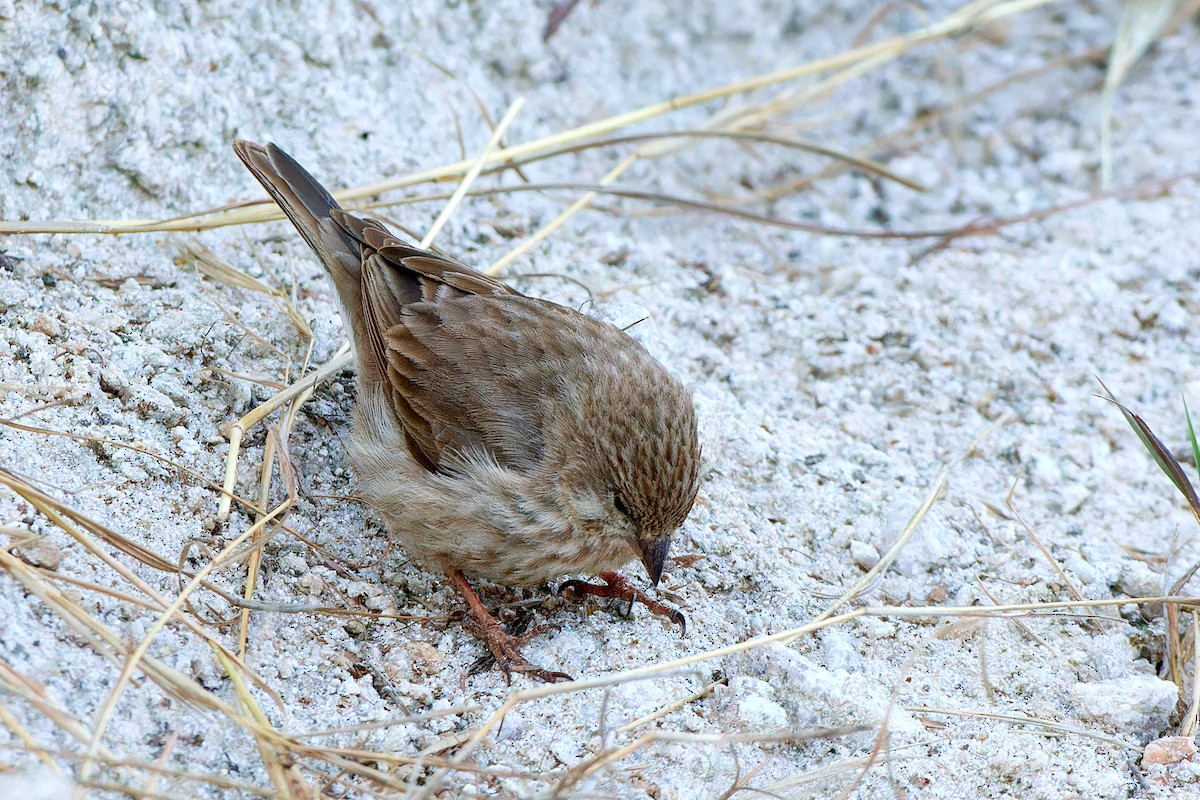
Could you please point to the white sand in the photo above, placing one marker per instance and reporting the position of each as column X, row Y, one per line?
column 834, row 377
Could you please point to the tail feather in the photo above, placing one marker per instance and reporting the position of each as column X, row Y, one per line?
column 308, row 205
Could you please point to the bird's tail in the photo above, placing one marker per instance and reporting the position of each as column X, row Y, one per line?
column 308, row 205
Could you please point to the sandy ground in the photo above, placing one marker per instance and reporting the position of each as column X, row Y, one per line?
column 835, row 379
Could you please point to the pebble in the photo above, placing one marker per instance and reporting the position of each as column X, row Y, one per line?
column 1169, row 750
column 864, row 554
column 38, row 552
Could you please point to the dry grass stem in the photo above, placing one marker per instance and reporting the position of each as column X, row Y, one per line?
column 139, row 653
column 1045, row 551
column 671, row 708
column 830, row 771
column 1021, row 719
column 340, row 361
column 1188, row 726
column 972, row 16
column 757, row 113
column 471, row 174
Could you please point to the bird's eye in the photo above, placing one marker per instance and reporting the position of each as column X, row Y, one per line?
column 619, row 502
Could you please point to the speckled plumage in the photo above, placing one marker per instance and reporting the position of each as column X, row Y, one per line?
column 497, row 434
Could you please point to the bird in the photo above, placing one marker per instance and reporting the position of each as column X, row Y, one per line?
column 499, row 436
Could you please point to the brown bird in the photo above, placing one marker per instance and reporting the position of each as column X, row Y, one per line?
column 498, row 435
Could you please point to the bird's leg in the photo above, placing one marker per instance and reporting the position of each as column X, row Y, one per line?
column 504, row 646
column 617, row 585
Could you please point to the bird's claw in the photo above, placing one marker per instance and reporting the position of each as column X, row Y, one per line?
column 616, row 585
column 521, row 665
column 506, row 648
column 508, row 658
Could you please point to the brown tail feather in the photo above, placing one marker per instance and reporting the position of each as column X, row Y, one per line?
column 318, row 217
column 308, row 205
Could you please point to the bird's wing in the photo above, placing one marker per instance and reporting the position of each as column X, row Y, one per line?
column 426, row 379
column 410, row 274
column 477, row 372
column 461, row 356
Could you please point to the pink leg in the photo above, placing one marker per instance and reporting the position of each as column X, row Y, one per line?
column 504, row 646
column 616, row 585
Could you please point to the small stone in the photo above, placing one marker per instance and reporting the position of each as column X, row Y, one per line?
column 113, row 381
column 1169, row 750
column 48, row 326
column 864, row 554
column 424, row 657
column 38, row 552
column 293, row 564
column 154, row 404
column 1132, row 703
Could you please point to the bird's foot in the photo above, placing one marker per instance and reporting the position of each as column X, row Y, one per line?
column 506, row 648
column 617, row 585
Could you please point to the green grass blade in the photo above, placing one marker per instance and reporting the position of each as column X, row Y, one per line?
column 1160, row 453
column 1192, row 436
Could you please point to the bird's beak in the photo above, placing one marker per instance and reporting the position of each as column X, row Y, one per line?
column 654, row 556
